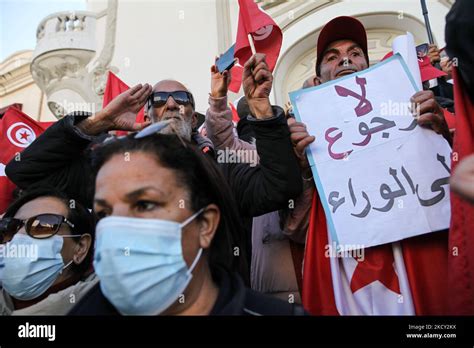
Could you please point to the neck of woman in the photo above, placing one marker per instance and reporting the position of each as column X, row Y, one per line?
column 200, row 295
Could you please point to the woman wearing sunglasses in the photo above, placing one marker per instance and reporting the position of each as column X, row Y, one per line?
column 169, row 237
column 46, row 240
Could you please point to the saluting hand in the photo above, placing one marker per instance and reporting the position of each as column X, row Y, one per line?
column 120, row 113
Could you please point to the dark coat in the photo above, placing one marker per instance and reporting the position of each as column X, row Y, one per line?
column 233, row 299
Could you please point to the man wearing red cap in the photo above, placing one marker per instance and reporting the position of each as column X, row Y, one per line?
column 342, row 50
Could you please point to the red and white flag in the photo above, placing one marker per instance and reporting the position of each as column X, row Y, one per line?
column 235, row 115
column 403, row 278
column 17, row 131
column 267, row 38
column 236, row 78
column 113, row 88
column 461, row 234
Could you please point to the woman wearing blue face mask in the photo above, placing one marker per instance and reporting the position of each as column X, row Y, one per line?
column 46, row 241
column 168, row 239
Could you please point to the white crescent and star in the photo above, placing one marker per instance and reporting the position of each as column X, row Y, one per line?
column 262, row 33
column 20, row 134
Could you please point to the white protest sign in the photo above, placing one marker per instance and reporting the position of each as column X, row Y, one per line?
column 380, row 177
column 405, row 45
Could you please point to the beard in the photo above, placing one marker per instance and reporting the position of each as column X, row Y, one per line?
column 178, row 125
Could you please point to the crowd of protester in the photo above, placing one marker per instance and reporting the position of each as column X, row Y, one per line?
column 154, row 223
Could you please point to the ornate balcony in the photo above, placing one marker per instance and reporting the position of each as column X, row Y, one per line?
column 65, row 47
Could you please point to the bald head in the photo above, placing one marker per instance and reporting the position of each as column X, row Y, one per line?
column 183, row 117
column 169, row 86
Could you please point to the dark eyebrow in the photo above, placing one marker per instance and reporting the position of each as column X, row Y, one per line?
column 336, row 51
column 354, row 46
column 131, row 196
column 137, row 193
column 100, row 201
column 330, row 50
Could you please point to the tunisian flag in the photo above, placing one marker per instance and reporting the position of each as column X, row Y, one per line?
column 404, row 278
column 266, row 34
column 461, row 235
column 236, row 78
column 113, row 88
column 17, row 131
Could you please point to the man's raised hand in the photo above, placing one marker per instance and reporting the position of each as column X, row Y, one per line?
column 257, row 82
column 120, row 113
column 219, row 82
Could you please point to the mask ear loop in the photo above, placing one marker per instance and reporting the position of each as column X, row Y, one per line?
column 183, row 224
column 196, row 260
column 68, row 264
column 191, row 218
column 70, row 236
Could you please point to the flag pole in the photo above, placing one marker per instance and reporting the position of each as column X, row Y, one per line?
column 424, row 9
column 427, row 21
column 252, row 45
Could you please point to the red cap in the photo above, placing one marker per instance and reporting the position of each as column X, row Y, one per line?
column 427, row 71
column 341, row 28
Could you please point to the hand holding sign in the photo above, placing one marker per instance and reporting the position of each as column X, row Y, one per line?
column 430, row 114
column 301, row 140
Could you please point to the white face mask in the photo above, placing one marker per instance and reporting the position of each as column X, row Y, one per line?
column 140, row 263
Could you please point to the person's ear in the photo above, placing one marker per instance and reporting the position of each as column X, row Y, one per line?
column 195, row 120
column 316, row 81
column 82, row 248
column 150, row 114
column 208, row 223
column 145, row 114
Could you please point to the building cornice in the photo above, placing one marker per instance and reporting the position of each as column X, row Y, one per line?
column 15, row 72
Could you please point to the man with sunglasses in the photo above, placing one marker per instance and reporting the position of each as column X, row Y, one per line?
column 171, row 101
column 59, row 156
column 164, row 105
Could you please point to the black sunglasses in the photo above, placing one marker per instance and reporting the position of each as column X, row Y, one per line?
column 158, row 99
column 41, row 226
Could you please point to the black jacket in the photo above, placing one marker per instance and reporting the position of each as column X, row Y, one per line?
column 233, row 299
column 60, row 158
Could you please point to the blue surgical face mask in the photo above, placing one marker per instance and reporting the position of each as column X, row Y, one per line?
column 140, row 263
column 32, row 265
